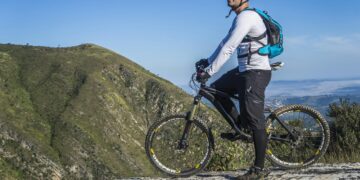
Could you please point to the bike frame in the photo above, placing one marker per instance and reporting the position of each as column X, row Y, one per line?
column 209, row 94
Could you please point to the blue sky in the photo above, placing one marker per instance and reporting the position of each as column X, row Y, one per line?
column 322, row 38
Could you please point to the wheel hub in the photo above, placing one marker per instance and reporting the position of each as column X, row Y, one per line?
column 182, row 145
column 299, row 136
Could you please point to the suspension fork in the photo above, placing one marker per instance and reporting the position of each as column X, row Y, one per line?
column 189, row 120
column 190, row 115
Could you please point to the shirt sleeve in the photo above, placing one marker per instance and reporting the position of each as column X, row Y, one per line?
column 227, row 47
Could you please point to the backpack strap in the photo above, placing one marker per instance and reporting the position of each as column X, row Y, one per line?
column 249, row 54
column 256, row 39
column 250, row 39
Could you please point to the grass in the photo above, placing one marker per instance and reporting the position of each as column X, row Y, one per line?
column 7, row 172
column 335, row 158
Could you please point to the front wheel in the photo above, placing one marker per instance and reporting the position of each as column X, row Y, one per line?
column 174, row 153
column 297, row 136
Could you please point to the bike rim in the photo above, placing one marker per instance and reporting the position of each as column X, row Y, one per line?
column 167, row 157
column 300, row 152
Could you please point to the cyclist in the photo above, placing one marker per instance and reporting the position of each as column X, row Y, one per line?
column 249, row 80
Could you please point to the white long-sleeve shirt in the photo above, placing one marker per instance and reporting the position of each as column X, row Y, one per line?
column 246, row 23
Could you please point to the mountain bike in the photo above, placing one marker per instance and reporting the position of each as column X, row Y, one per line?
column 181, row 145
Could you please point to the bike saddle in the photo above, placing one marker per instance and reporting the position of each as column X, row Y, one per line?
column 276, row 66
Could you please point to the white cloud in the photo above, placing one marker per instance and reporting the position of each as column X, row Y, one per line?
column 328, row 87
column 338, row 44
column 357, row 36
column 316, row 88
column 296, row 40
column 336, row 40
column 333, row 44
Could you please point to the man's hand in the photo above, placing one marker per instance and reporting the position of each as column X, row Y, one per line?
column 202, row 77
column 202, row 64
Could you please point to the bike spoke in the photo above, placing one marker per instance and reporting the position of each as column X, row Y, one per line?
column 295, row 137
column 167, row 149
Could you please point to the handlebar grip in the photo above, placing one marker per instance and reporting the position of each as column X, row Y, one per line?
column 200, row 69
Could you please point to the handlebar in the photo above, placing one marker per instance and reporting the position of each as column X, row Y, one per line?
column 200, row 69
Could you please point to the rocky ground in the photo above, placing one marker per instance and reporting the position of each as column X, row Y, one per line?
column 317, row 171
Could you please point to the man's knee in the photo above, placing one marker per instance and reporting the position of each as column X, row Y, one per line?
column 254, row 108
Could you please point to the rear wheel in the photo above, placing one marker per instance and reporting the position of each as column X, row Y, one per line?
column 169, row 152
column 307, row 142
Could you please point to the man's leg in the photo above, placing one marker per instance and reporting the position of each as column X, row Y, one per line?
column 260, row 144
column 252, row 110
column 227, row 84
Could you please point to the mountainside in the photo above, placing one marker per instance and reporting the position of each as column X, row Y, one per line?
column 301, row 88
column 82, row 112
column 315, row 93
column 320, row 103
column 77, row 112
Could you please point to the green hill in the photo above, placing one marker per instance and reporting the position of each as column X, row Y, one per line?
column 81, row 112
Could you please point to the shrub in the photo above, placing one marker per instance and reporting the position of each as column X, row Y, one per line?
column 345, row 129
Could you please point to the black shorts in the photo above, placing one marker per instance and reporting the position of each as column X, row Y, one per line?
column 250, row 86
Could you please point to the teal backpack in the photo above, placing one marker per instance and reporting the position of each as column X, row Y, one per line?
column 273, row 32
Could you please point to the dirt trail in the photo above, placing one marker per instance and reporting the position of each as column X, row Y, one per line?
column 317, row 171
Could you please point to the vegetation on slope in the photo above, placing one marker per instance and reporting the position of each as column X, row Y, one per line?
column 83, row 111
column 345, row 128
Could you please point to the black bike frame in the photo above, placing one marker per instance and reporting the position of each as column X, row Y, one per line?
column 209, row 94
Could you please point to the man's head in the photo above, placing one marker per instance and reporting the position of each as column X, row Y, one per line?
column 236, row 5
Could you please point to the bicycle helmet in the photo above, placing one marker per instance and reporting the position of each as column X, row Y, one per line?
column 241, row 3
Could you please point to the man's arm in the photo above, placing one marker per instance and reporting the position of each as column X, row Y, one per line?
column 227, row 47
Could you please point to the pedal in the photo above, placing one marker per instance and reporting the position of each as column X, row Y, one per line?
column 234, row 137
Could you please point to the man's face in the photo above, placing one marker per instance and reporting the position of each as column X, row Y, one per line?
column 234, row 3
